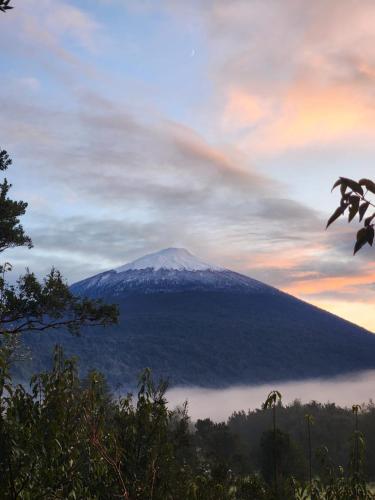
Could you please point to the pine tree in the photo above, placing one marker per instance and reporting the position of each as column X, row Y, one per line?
column 30, row 304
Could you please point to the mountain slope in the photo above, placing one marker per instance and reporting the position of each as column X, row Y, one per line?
column 199, row 324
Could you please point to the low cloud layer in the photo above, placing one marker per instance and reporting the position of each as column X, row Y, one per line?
column 219, row 404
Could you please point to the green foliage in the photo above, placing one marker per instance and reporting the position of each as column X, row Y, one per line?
column 30, row 305
column 355, row 201
column 273, row 399
column 218, row 448
column 45, row 449
column 279, row 446
column 68, row 438
column 309, row 423
column 11, row 232
column 251, row 487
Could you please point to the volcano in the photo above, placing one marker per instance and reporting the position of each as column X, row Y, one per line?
column 198, row 324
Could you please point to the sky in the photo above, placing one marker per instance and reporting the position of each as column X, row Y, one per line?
column 217, row 126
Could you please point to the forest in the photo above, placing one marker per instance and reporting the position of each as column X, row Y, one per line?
column 65, row 437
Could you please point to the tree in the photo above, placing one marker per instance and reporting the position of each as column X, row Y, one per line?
column 357, row 456
column 309, row 422
column 356, row 200
column 68, row 438
column 288, row 456
column 217, row 447
column 31, row 305
column 11, row 232
column 273, row 399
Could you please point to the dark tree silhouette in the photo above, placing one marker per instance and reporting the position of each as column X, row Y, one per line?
column 309, row 422
column 273, row 399
column 29, row 304
column 11, row 232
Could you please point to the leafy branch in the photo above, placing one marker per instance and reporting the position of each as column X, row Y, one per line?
column 4, row 5
column 31, row 305
column 355, row 201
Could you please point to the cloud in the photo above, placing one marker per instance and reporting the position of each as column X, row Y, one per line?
column 28, row 83
column 243, row 109
column 114, row 172
column 310, row 115
column 50, row 36
column 333, row 283
column 293, row 212
column 220, row 404
column 146, row 182
column 291, row 74
column 115, row 156
column 125, row 184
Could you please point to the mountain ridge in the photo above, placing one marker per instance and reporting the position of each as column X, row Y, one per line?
column 167, row 270
column 209, row 328
column 178, row 259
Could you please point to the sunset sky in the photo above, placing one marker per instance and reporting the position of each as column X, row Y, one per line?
column 214, row 125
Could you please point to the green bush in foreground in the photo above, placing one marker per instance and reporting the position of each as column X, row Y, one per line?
column 69, row 438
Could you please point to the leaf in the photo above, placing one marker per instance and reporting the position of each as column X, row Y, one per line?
column 352, row 213
column 355, row 186
column 4, row 5
column 337, row 183
column 370, row 234
column 362, row 239
column 354, row 200
column 354, row 206
column 339, row 211
column 271, row 400
column 369, row 185
column 344, row 202
column 368, row 220
column 363, row 209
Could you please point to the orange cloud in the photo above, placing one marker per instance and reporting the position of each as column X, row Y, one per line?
column 243, row 109
column 287, row 258
column 331, row 284
column 306, row 114
column 318, row 115
column 307, row 81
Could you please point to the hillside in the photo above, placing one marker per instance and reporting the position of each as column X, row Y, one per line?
column 198, row 324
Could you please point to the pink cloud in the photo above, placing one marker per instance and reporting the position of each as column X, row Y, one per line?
column 347, row 283
column 243, row 109
column 51, row 32
column 294, row 74
column 312, row 114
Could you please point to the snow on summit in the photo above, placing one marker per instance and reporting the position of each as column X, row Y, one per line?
column 167, row 270
column 177, row 259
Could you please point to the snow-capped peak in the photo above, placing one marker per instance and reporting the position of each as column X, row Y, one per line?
column 177, row 259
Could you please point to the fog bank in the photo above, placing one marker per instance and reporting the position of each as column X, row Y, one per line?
column 219, row 404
